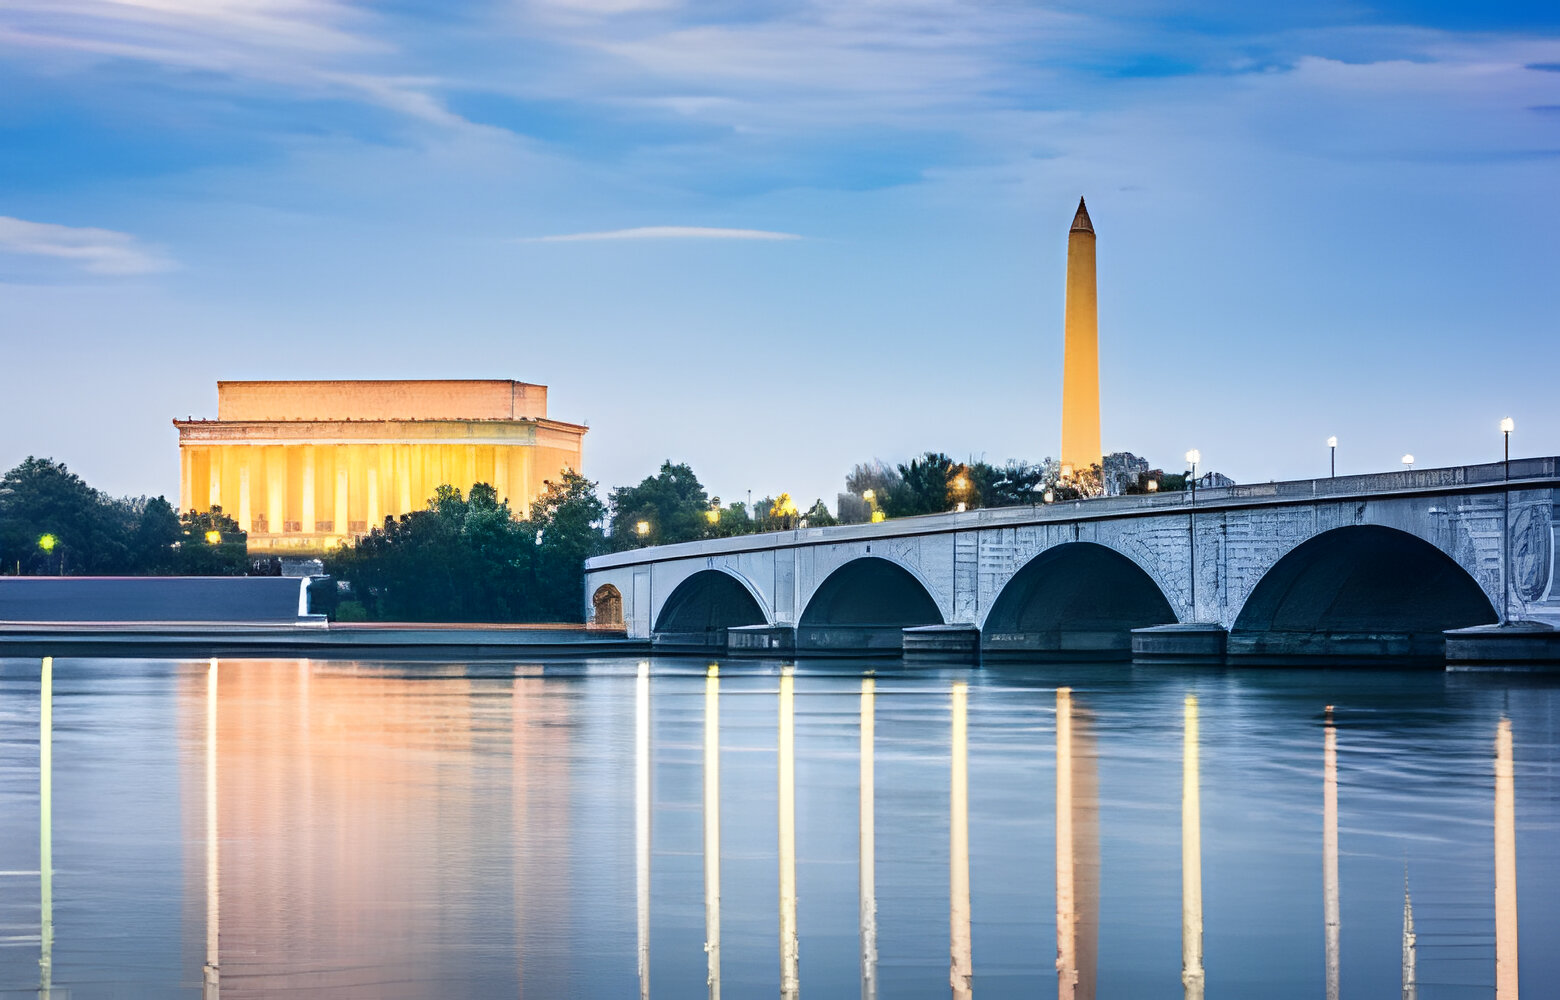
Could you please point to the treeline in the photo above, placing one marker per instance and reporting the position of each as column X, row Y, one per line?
column 53, row 523
column 467, row 558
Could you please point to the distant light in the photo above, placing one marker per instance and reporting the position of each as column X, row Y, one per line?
column 869, row 495
column 959, row 507
column 1194, row 456
column 1049, row 496
column 1332, row 442
column 1408, row 460
column 878, row 515
column 47, row 543
column 643, row 527
column 1508, row 425
column 960, row 483
column 213, row 538
column 1153, row 486
column 712, row 516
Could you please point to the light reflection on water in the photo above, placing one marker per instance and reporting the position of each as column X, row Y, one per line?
column 275, row 828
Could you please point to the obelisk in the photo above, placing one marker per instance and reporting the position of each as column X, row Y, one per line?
column 1081, row 360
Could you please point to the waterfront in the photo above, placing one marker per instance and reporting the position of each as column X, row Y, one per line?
column 416, row 830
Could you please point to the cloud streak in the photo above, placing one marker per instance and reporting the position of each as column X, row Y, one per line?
column 666, row 233
column 95, row 251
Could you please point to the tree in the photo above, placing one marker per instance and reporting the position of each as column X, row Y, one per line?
column 209, row 542
column 923, row 489
column 41, row 497
column 566, row 522
column 672, row 504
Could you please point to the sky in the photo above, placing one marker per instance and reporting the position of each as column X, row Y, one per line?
column 773, row 240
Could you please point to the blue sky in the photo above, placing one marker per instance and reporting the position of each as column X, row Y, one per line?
column 1316, row 219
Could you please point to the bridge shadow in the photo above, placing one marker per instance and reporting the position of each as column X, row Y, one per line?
column 702, row 608
column 865, row 605
column 1361, row 590
column 1076, row 601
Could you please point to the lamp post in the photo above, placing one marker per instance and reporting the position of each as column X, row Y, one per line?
column 1332, row 446
column 642, row 528
column 47, row 544
column 1193, row 457
column 1408, row 462
column 1506, row 427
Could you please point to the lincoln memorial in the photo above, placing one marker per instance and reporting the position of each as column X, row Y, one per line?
column 305, row 466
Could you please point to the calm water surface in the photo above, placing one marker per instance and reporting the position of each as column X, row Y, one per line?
column 599, row 829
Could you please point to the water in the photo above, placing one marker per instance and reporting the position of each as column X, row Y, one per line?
column 348, row 829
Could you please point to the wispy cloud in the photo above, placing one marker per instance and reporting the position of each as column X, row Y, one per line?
column 666, row 233
column 96, row 251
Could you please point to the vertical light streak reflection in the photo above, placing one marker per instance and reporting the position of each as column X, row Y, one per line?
column 46, row 827
column 1192, row 977
column 212, row 973
column 1410, row 975
column 642, row 821
column 1077, row 853
column 1505, row 866
column 1330, row 901
column 790, row 979
column 960, row 972
column 868, row 831
column 1066, row 909
column 712, row 827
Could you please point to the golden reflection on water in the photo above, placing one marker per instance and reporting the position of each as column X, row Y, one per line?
column 46, row 828
column 960, row 972
column 1505, row 866
column 790, row 975
column 335, row 793
column 1191, row 860
column 642, row 823
column 712, row 828
column 867, row 861
column 1077, row 851
column 211, row 973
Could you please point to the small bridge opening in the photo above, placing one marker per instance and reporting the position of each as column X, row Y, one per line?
column 1364, row 590
column 865, row 605
column 702, row 607
column 1079, row 600
column 606, row 606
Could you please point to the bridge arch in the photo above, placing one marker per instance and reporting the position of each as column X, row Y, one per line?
column 865, row 604
column 700, row 609
column 1364, row 589
column 1075, row 600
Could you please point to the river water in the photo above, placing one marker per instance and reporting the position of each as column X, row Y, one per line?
column 608, row 828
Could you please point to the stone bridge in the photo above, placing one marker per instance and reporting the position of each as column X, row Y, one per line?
column 1370, row 566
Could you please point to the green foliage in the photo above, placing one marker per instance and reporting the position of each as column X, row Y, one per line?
column 671, row 503
column 467, row 559
column 923, row 487
column 96, row 534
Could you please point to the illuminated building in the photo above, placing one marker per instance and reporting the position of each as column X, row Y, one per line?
column 1081, row 361
column 304, row 466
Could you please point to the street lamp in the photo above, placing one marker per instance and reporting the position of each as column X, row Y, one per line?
column 1506, row 427
column 213, row 537
column 1408, row 462
column 47, row 543
column 1193, row 457
column 643, row 529
column 1332, row 446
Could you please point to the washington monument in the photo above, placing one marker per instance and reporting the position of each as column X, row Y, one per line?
column 1081, row 361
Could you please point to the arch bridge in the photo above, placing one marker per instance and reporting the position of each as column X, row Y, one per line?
column 1378, row 566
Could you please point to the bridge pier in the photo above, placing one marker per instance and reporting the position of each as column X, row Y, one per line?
column 1186, row 643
